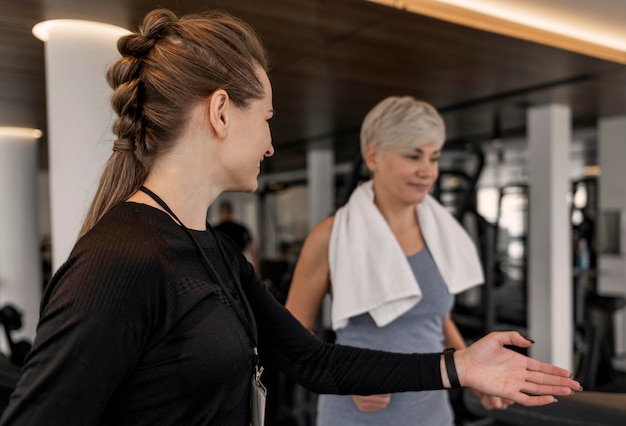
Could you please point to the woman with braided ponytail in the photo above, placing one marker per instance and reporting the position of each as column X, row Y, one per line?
column 155, row 319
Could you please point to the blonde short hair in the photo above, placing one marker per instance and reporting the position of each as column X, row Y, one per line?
column 402, row 123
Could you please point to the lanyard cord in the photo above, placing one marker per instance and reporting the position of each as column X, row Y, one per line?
column 247, row 318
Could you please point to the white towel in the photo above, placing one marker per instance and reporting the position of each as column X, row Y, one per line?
column 369, row 271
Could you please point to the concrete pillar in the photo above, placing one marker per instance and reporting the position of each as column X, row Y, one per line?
column 550, row 304
column 320, row 160
column 77, row 54
column 20, row 261
column 611, row 220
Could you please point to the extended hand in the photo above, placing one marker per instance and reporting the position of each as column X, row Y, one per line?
column 489, row 367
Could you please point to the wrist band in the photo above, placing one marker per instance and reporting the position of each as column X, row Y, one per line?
column 448, row 358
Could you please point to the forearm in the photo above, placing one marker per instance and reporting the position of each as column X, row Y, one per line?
column 327, row 368
column 345, row 370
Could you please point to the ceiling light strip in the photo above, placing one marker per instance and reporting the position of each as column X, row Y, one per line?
column 481, row 21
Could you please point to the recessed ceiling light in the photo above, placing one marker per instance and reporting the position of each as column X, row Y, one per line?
column 42, row 29
column 20, row 132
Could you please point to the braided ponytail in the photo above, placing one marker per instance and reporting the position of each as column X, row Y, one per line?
column 167, row 66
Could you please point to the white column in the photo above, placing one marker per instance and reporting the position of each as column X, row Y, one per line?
column 320, row 161
column 20, row 261
column 550, row 310
column 77, row 54
column 611, row 222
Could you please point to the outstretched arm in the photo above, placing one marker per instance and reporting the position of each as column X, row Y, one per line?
column 486, row 365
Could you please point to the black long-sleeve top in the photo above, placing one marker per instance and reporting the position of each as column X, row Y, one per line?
column 133, row 331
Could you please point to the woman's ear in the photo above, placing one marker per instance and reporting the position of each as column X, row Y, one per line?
column 219, row 104
column 371, row 157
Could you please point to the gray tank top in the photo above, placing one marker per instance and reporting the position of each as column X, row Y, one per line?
column 418, row 330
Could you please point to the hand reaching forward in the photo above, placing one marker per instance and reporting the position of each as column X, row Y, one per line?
column 489, row 367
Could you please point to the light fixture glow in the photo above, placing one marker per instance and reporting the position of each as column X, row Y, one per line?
column 20, row 132
column 42, row 29
column 535, row 21
column 526, row 16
